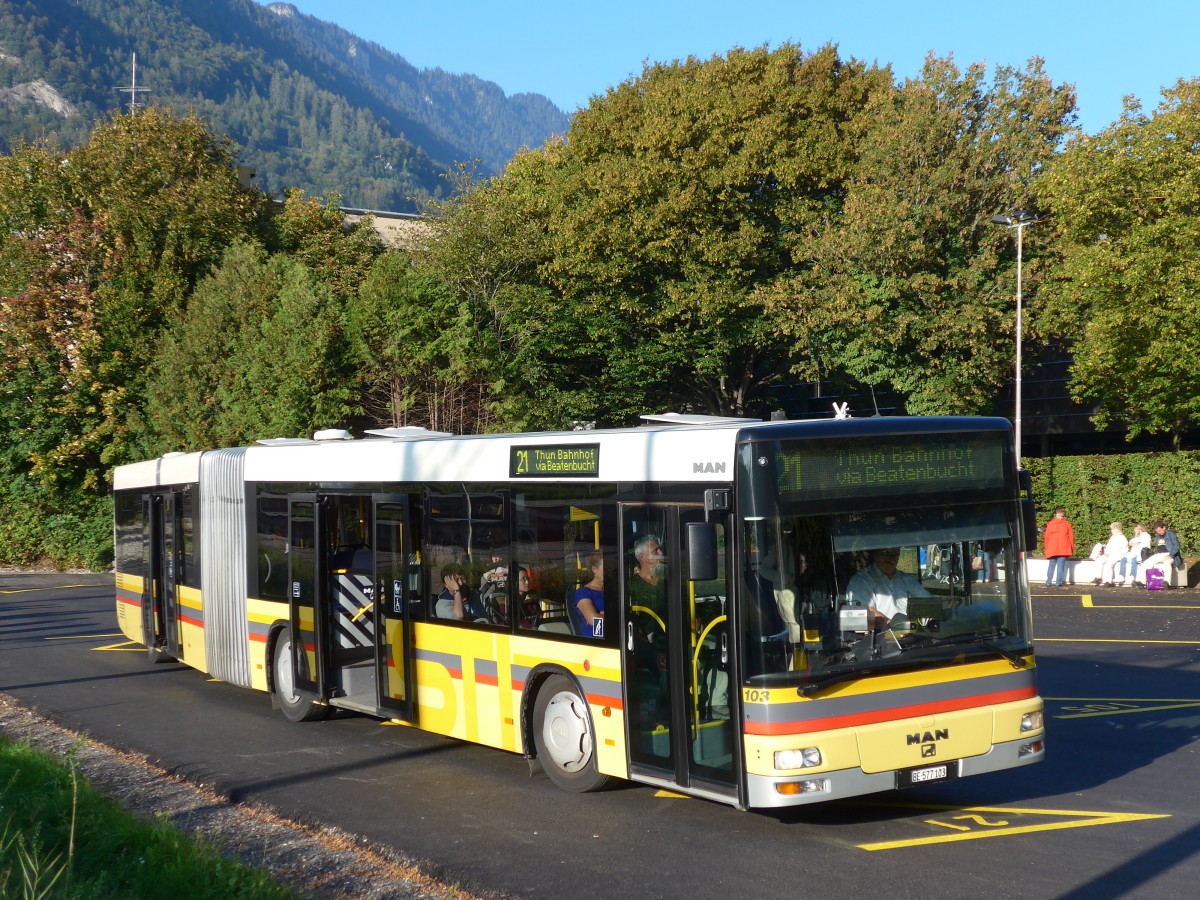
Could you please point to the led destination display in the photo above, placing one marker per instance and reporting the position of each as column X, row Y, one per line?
column 555, row 461
column 907, row 465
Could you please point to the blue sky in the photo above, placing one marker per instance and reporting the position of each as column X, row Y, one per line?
column 571, row 50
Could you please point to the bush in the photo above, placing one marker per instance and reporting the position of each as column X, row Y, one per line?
column 36, row 531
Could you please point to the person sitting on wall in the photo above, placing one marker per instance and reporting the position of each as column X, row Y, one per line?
column 1167, row 552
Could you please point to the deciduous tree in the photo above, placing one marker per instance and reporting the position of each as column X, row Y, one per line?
column 1125, row 288
column 909, row 285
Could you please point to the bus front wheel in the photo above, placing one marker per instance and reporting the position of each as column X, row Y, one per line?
column 563, row 736
column 294, row 706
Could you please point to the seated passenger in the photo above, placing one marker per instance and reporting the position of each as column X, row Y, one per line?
column 455, row 600
column 589, row 599
column 497, row 575
column 451, row 602
column 883, row 589
column 527, row 600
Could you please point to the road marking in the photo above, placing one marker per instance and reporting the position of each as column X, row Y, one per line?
column 976, row 822
column 125, row 646
column 1088, row 604
column 63, row 587
column 76, row 637
column 1046, row 640
column 1104, row 706
column 671, row 795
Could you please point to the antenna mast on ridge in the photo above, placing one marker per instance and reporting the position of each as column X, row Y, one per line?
column 133, row 90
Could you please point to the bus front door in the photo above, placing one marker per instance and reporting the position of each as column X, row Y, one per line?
column 680, row 704
column 395, row 590
column 160, row 601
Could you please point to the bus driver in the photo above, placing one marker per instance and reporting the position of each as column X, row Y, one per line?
column 883, row 589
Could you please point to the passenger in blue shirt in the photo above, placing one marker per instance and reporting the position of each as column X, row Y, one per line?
column 589, row 599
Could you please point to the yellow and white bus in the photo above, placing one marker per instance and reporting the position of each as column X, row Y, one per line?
column 694, row 604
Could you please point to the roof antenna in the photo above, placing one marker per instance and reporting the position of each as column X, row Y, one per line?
column 874, row 402
column 133, row 90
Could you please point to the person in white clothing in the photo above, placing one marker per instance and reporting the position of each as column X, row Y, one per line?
column 1131, row 560
column 883, row 589
column 1117, row 546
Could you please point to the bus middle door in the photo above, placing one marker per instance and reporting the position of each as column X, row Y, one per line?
column 397, row 584
column 306, row 567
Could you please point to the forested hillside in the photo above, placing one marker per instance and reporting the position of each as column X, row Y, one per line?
column 311, row 106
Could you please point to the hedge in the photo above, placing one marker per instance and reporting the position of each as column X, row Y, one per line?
column 1130, row 488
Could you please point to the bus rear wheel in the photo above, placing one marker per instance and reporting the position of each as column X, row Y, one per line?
column 564, row 737
column 294, row 706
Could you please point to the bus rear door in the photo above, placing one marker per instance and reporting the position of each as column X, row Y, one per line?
column 160, row 563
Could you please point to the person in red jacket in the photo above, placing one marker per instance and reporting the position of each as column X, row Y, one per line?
column 1059, row 543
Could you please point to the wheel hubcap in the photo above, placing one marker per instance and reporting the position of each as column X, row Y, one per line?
column 283, row 672
column 565, row 732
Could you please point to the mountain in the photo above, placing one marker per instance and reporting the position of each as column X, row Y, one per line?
column 311, row 105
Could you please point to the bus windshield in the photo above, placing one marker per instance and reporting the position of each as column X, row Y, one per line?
column 870, row 582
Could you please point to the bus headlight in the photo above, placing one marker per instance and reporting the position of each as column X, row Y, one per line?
column 1031, row 721
column 798, row 759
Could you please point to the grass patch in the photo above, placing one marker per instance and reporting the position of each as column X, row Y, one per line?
column 61, row 838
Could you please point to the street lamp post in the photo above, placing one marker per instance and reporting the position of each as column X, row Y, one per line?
column 1017, row 219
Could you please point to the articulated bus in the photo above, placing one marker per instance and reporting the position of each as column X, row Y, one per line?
column 735, row 644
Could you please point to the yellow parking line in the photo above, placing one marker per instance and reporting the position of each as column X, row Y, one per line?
column 974, row 823
column 75, row 637
column 61, row 587
column 125, row 646
column 1046, row 640
column 1088, row 604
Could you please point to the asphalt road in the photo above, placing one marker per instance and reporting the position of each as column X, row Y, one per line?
column 1113, row 812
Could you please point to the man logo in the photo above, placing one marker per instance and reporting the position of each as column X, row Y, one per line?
column 929, row 750
column 928, row 737
column 708, row 468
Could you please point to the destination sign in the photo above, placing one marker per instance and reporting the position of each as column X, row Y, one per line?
column 815, row 470
column 555, row 461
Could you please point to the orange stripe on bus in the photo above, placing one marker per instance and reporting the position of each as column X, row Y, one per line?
column 611, row 702
column 888, row 715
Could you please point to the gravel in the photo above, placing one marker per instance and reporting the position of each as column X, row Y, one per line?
column 311, row 861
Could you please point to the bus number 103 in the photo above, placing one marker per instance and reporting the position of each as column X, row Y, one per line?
column 755, row 695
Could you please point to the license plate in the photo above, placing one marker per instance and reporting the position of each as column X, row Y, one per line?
column 926, row 775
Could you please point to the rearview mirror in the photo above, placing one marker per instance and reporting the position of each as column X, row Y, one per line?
column 702, row 551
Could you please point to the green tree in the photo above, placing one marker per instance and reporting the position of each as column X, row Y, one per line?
column 260, row 353
column 621, row 270
column 318, row 235
column 683, row 192
column 909, row 289
column 195, row 355
column 111, row 238
column 1124, row 290
column 412, row 351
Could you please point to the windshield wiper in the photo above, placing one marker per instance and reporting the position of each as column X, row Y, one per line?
column 974, row 637
column 829, row 679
